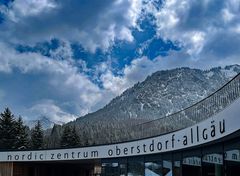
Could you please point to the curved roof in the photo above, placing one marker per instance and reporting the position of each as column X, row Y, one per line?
column 219, row 126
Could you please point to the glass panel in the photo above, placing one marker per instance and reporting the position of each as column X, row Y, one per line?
column 110, row 169
column 136, row 167
column 153, row 165
column 191, row 163
column 212, row 161
column 153, row 168
column 232, row 158
column 213, row 164
column 177, row 164
column 123, row 169
column 167, row 165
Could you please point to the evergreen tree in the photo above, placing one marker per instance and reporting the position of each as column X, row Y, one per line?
column 37, row 136
column 69, row 137
column 75, row 137
column 22, row 140
column 66, row 136
column 55, row 137
column 7, row 130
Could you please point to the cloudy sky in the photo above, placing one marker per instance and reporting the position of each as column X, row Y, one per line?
column 65, row 58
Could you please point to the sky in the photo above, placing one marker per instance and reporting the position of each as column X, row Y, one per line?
column 65, row 58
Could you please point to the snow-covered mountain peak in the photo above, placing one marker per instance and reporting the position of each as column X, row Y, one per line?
column 165, row 92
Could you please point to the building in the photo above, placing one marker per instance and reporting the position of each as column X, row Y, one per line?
column 201, row 140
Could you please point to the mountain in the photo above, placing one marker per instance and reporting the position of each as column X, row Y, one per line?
column 163, row 93
column 45, row 122
column 160, row 94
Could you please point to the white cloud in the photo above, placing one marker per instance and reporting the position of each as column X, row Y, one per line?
column 29, row 62
column 63, row 52
column 48, row 109
column 114, row 84
column 126, row 34
column 197, row 40
column 44, row 78
column 94, row 24
column 30, row 8
column 236, row 29
column 227, row 15
column 199, row 26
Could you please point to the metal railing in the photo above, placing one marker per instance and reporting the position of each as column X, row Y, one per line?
column 198, row 112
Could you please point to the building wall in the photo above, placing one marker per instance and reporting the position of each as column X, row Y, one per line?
column 6, row 169
column 220, row 159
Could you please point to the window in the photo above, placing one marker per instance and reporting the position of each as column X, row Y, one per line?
column 136, row 166
column 191, row 163
column 212, row 160
column 167, row 165
column 177, row 164
column 232, row 157
column 153, row 165
column 110, row 168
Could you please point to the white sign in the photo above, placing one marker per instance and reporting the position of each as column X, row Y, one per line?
column 232, row 155
column 213, row 159
column 216, row 127
column 193, row 161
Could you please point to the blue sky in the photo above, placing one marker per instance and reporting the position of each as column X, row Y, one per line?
column 65, row 58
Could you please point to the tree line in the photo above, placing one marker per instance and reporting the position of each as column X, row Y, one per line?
column 14, row 135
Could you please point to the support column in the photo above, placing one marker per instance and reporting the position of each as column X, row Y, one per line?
column 6, row 169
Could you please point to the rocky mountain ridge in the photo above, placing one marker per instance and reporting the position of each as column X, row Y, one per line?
column 165, row 92
column 161, row 94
